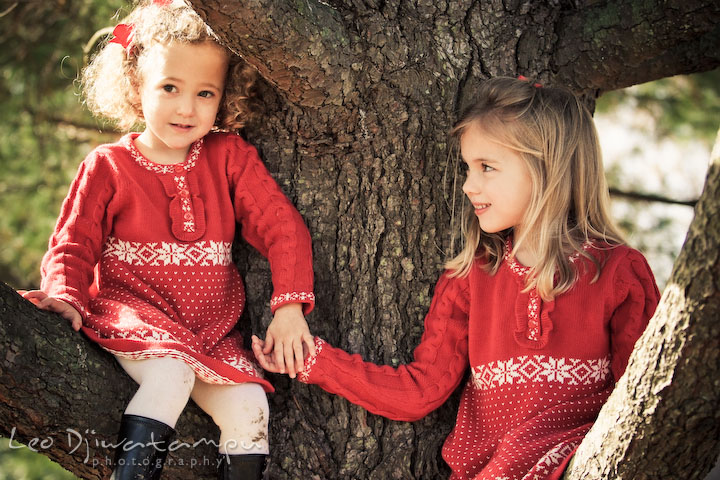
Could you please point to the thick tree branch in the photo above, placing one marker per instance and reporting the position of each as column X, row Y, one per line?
column 63, row 396
column 301, row 47
column 617, row 43
column 676, row 392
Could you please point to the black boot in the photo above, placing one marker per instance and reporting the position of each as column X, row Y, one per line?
column 242, row 467
column 143, row 447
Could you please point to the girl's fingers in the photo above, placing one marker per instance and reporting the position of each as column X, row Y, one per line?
column 289, row 352
column 261, row 357
column 278, row 352
column 268, row 344
column 48, row 303
column 39, row 294
column 76, row 322
column 43, row 302
column 299, row 359
column 309, row 342
column 33, row 296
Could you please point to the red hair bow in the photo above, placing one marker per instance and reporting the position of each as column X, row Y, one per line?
column 123, row 35
column 525, row 79
column 123, row 32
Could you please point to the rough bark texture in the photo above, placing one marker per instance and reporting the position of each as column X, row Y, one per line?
column 663, row 420
column 63, row 396
column 359, row 97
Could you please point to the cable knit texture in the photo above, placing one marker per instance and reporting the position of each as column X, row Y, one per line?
column 529, row 399
column 143, row 251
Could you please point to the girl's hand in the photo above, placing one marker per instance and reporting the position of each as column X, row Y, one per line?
column 42, row 301
column 266, row 361
column 286, row 336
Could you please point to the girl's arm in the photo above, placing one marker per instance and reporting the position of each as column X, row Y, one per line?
column 272, row 225
column 410, row 391
column 76, row 244
column 637, row 296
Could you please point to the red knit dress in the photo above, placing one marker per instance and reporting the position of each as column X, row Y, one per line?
column 143, row 252
column 539, row 371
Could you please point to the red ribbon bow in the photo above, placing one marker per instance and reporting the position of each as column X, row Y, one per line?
column 123, row 32
column 525, row 79
column 123, row 35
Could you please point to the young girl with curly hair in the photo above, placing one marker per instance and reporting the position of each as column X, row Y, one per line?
column 543, row 305
column 140, row 259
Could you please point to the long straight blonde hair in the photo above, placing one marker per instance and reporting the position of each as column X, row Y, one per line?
column 555, row 135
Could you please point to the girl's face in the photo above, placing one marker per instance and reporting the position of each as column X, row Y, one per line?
column 498, row 181
column 180, row 92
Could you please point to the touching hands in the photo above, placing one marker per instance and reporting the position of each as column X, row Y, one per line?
column 266, row 360
column 287, row 341
column 42, row 301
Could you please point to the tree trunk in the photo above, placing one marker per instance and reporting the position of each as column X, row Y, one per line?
column 663, row 418
column 359, row 97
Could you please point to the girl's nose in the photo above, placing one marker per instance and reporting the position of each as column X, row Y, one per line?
column 469, row 186
column 186, row 106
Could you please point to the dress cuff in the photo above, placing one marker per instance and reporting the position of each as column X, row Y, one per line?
column 304, row 375
column 306, row 298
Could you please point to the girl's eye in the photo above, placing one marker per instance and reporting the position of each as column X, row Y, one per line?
column 206, row 94
column 486, row 167
column 169, row 88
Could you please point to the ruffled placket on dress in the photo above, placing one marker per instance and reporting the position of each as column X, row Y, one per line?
column 186, row 209
column 532, row 315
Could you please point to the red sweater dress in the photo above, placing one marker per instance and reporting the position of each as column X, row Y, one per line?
column 143, row 252
column 539, row 371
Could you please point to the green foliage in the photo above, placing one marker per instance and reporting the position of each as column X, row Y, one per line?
column 17, row 462
column 45, row 131
column 660, row 134
column 684, row 106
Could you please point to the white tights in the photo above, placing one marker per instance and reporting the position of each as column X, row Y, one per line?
column 240, row 411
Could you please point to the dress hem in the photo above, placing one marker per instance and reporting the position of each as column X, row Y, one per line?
column 208, row 369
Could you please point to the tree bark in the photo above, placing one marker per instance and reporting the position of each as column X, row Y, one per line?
column 662, row 420
column 359, row 96
column 63, row 396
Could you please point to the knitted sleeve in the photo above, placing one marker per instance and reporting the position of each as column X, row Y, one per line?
column 272, row 225
column 410, row 391
column 636, row 296
column 76, row 244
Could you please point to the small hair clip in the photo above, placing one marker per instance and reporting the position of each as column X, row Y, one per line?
column 123, row 35
column 526, row 79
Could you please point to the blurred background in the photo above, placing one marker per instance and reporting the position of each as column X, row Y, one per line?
column 656, row 139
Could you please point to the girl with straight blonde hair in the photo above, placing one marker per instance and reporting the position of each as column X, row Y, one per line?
column 543, row 304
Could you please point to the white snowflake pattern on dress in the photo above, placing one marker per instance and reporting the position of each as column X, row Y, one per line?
column 304, row 375
column 163, row 169
column 540, row 368
column 549, row 462
column 292, row 297
column 205, row 253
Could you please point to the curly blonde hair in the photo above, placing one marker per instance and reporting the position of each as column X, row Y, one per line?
column 111, row 80
column 554, row 134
